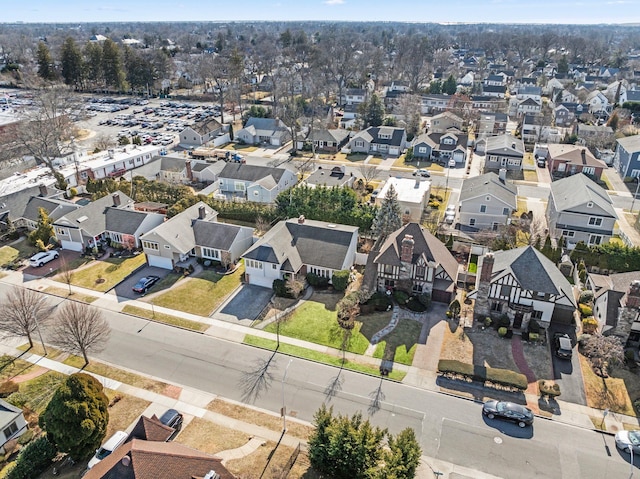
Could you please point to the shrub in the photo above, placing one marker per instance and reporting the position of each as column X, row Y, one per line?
column 585, row 310
column 534, row 336
column 582, row 275
column 33, row 460
column 502, row 332
column 401, row 297
column 415, row 305
column 534, row 327
column 317, row 281
column 586, row 297
column 434, row 204
column 280, row 288
column 340, row 280
column 425, row 299
column 26, row 437
column 628, row 355
column 7, row 388
column 487, row 321
column 548, row 388
column 380, row 301
column 502, row 377
column 503, row 322
column 589, row 325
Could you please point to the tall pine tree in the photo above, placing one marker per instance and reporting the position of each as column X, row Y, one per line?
column 389, row 217
column 45, row 62
column 71, row 59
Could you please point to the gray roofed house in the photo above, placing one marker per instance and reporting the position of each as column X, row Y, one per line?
column 627, row 157
column 55, row 208
column 413, row 260
column 441, row 147
column 503, row 151
column 580, row 210
column 271, row 131
column 329, row 178
column 173, row 170
column 12, row 423
column 486, row 202
column 260, row 184
column 326, row 140
column 220, row 241
column 298, row 247
column 125, row 226
column 14, row 206
column 525, row 285
column 202, row 132
column 84, row 227
column 384, row 140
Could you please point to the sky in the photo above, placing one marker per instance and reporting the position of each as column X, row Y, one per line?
column 440, row 11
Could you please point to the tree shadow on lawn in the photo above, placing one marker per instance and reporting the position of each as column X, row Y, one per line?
column 404, row 336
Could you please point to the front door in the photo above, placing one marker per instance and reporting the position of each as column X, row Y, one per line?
column 517, row 322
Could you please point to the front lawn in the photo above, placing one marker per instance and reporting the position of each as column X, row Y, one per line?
column 316, row 321
column 200, row 294
column 105, row 274
column 165, row 318
column 401, row 343
column 17, row 250
column 605, row 393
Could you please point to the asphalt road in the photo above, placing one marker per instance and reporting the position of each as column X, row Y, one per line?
column 449, row 428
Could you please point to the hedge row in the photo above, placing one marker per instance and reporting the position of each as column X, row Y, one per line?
column 503, row 377
column 33, row 460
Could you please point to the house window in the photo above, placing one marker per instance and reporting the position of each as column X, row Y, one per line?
column 150, row 245
column 494, row 226
column 359, row 144
column 167, row 246
column 253, row 264
column 117, row 237
column 60, row 231
column 588, row 170
column 487, row 198
column 239, row 186
column 388, row 269
column 420, row 271
column 274, row 266
column 537, row 315
column 568, row 234
column 483, row 208
column 505, row 290
column 472, row 221
column 10, row 430
column 595, row 239
column 593, row 221
column 496, row 306
column 389, row 283
column 422, row 149
column 417, row 288
column 505, row 211
column 210, row 253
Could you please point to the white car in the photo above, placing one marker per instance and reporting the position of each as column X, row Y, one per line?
column 450, row 214
column 39, row 259
column 628, row 440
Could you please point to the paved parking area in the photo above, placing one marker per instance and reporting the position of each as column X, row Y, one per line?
column 568, row 374
column 245, row 306
column 124, row 289
column 52, row 266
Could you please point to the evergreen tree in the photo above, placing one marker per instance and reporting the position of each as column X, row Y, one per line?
column 76, row 418
column 449, row 86
column 389, row 217
column 71, row 59
column 403, row 457
column 46, row 70
column 93, row 64
column 319, row 440
column 44, row 231
column 114, row 75
column 435, row 87
column 547, row 248
column 373, row 111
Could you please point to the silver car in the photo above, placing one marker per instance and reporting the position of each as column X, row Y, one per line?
column 628, row 440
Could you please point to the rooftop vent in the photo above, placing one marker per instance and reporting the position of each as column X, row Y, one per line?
column 82, row 218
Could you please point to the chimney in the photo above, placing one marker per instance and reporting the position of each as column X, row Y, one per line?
column 583, row 154
column 487, row 267
column 417, row 185
column 513, row 145
column 202, row 213
column 189, row 171
column 633, row 295
column 301, row 219
column 482, row 306
column 406, row 252
column 116, row 199
column 43, row 190
column 111, row 153
column 502, row 174
column 125, row 461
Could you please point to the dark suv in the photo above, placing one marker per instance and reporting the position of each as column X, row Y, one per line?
column 562, row 345
column 172, row 418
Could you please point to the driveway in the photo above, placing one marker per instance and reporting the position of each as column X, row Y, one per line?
column 52, row 266
column 125, row 288
column 568, row 374
column 244, row 306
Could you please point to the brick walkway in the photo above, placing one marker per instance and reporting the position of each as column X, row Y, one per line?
column 519, row 359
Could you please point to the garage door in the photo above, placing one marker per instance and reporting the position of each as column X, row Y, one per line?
column 160, row 262
column 458, row 156
column 441, row 296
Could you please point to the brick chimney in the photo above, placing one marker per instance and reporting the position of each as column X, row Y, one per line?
column 301, row 219
column 43, row 190
column 406, row 251
column 487, row 267
column 116, row 199
column 189, row 170
column 583, row 154
column 481, row 308
column 202, row 213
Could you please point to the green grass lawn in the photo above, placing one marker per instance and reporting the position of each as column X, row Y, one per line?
column 22, row 250
column 319, row 357
column 200, row 294
column 165, row 318
column 316, row 321
column 64, row 293
column 400, row 344
column 112, row 271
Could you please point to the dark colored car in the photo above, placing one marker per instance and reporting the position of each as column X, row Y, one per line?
column 508, row 411
column 172, row 418
column 143, row 285
column 562, row 345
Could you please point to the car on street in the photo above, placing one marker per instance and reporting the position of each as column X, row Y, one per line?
column 562, row 345
column 628, row 441
column 144, row 283
column 508, row 411
column 173, row 419
column 423, row 173
column 42, row 258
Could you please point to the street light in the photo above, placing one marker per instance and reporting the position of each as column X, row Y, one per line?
column 284, row 409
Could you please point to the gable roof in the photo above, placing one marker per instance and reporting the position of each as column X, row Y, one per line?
column 124, row 221
column 215, row 235
column 578, row 190
column 265, row 126
column 14, row 204
column 178, row 230
column 489, row 184
column 206, row 126
column 92, row 217
column 533, row 270
column 293, row 244
column 54, row 208
column 251, row 173
column 434, row 140
column 631, row 144
column 504, row 144
column 156, row 460
column 425, row 246
column 170, row 163
column 572, row 154
column 8, row 413
column 150, row 429
column 372, row 135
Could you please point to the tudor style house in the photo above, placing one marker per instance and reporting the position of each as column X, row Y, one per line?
column 299, row 246
column 580, row 210
column 503, row 151
column 523, row 284
column 383, row 140
column 486, row 202
column 413, row 260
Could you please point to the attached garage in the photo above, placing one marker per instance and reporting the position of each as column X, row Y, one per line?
column 458, row 156
column 159, row 261
column 440, row 296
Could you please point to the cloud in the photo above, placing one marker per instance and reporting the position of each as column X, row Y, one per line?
column 333, row 2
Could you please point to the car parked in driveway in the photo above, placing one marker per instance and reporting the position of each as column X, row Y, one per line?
column 562, row 345
column 174, row 419
column 508, row 411
column 450, row 214
column 42, row 258
column 628, row 441
column 144, row 283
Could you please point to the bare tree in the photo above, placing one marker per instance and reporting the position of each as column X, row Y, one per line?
column 79, row 329
column 66, row 273
column 368, row 172
column 103, row 142
column 603, row 353
column 20, row 312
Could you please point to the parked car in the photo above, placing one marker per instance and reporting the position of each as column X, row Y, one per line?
column 143, row 284
column 508, row 411
column 628, row 440
column 40, row 259
column 541, row 162
column 108, row 447
column 450, row 214
column 452, row 163
column 562, row 345
column 423, row 173
column 174, row 419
